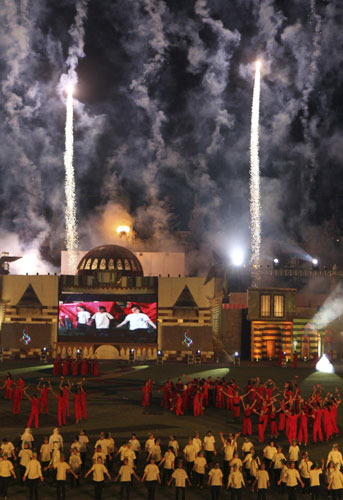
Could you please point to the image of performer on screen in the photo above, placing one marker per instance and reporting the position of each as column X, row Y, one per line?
column 83, row 318
column 137, row 320
column 102, row 319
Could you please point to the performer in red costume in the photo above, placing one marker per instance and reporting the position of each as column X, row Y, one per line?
column 327, row 422
column 280, row 358
column 197, row 404
column 336, row 401
column 18, row 392
column 295, row 359
column 282, row 416
column 291, row 425
column 178, row 405
column 146, row 394
column 77, row 404
column 61, row 410
column 44, row 395
column 57, row 366
column 317, row 424
column 74, row 367
column 95, row 367
column 273, row 424
column 236, row 398
column 303, row 430
column 83, row 400
column 165, row 396
column 8, row 386
column 65, row 387
column 34, row 410
column 247, row 429
column 84, row 367
column 65, row 367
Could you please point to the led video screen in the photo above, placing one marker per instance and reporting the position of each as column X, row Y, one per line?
column 119, row 320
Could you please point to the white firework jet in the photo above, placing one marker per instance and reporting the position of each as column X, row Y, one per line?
column 255, row 201
column 69, row 187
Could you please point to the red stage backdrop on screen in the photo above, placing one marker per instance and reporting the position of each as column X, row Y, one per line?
column 116, row 309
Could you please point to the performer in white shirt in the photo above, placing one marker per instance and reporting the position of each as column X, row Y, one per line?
column 215, row 480
column 102, row 319
column 83, row 318
column 137, row 320
column 33, row 474
column 151, row 477
column 125, row 475
column 99, row 471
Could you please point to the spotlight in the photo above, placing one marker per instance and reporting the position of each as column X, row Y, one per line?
column 44, row 354
column 237, row 359
column 276, row 263
column 79, row 352
column 132, row 356
column 159, row 357
column 237, row 257
column 315, row 264
column 197, row 357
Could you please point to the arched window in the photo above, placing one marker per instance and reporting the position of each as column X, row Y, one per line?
column 133, row 265
column 95, row 264
column 111, row 265
column 102, row 264
column 88, row 264
column 127, row 265
column 119, row 264
column 82, row 265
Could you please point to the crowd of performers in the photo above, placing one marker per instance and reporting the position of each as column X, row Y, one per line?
column 39, row 398
column 206, row 462
column 277, row 410
column 75, row 366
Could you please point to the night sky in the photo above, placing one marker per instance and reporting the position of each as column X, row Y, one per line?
column 162, row 124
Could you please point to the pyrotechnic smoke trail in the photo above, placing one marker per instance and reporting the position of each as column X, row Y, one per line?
column 255, row 203
column 69, row 186
column 316, row 20
column 67, row 83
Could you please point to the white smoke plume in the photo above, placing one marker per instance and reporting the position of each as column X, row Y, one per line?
column 330, row 310
column 155, row 212
column 76, row 48
column 216, row 77
column 173, row 150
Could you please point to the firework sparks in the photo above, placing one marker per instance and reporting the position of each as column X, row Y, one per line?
column 70, row 209
column 255, row 203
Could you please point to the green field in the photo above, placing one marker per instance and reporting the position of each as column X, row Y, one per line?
column 113, row 405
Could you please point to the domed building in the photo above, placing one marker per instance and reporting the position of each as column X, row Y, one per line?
column 113, row 258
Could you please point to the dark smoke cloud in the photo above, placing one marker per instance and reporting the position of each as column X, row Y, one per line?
column 162, row 122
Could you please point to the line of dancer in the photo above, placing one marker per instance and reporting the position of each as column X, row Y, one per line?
column 201, row 462
column 39, row 398
column 75, row 366
column 279, row 410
